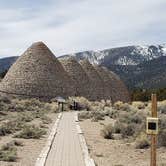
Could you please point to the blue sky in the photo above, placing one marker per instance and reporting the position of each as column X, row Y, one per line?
column 68, row 26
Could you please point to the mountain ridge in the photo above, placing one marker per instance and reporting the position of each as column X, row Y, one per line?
column 128, row 55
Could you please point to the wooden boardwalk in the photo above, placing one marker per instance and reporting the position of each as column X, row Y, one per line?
column 66, row 149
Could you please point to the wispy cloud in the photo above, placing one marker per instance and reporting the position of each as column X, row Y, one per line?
column 68, row 26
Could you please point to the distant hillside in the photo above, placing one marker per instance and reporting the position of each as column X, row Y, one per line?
column 150, row 74
column 5, row 63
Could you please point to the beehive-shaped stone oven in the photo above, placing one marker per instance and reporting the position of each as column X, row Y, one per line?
column 122, row 93
column 118, row 90
column 37, row 73
column 79, row 76
column 108, row 93
column 98, row 83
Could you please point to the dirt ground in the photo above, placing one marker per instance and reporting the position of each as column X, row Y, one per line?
column 28, row 153
column 107, row 152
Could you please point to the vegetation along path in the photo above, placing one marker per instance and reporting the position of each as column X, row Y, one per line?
column 66, row 149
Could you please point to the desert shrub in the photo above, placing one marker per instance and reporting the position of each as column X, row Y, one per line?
column 15, row 143
column 8, row 153
column 10, row 127
column 118, row 105
column 25, row 117
column 139, row 104
column 108, row 103
column 46, row 120
column 162, row 107
column 113, row 113
column 4, row 107
column 162, row 131
column 107, row 132
column 107, row 110
column 162, row 122
column 136, row 118
column 84, row 115
column 122, row 106
column 28, row 105
column 5, row 99
column 162, row 138
column 94, row 106
column 98, row 116
column 54, row 107
column 142, row 141
column 38, row 114
column 118, row 127
column 125, row 117
column 132, row 117
column 128, row 130
column 31, row 132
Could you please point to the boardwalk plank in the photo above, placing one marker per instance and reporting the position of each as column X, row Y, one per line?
column 66, row 149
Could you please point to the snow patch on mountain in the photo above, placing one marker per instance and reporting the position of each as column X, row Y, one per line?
column 125, row 61
column 130, row 55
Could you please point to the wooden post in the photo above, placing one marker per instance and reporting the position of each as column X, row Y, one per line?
column 153, row 137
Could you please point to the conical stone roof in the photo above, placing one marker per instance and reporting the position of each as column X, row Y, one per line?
column 114, row 88
column 121, row 87
column 107, row 82
column 37, row 73
column 97, row 88
column 79, row 76
column 118, row 89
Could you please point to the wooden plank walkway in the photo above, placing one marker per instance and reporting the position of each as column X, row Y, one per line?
column 66, row 149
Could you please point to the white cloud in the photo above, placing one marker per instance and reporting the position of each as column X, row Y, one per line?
column 82, row 25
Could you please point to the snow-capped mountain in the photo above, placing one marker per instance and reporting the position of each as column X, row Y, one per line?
column 130, row 55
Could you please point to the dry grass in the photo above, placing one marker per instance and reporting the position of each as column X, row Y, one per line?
column 130, row 119
column 107, row 132
column 142, row 141
column 25, row 119
column 8, row 152
column 31, row 132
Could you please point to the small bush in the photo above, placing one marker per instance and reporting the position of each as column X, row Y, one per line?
column 46, row 120
column 25, row 117
column 107, row 132
column 118, row 127
column 8, row 153
column 136, row 118
column 16, row 143
column 122, row 106
column 139, row 104
column 162, row 107
column 162, row 122
column 142, row 141
column 84, row 115
column 113, row 114
column 5, row 99
column 10, row 127
column 107, row 110
column 128, row 130
column 97, row 116
column 162, row 138
column 31, row 132
column 108, row 103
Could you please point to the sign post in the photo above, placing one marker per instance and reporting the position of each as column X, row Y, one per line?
column 153, row 136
